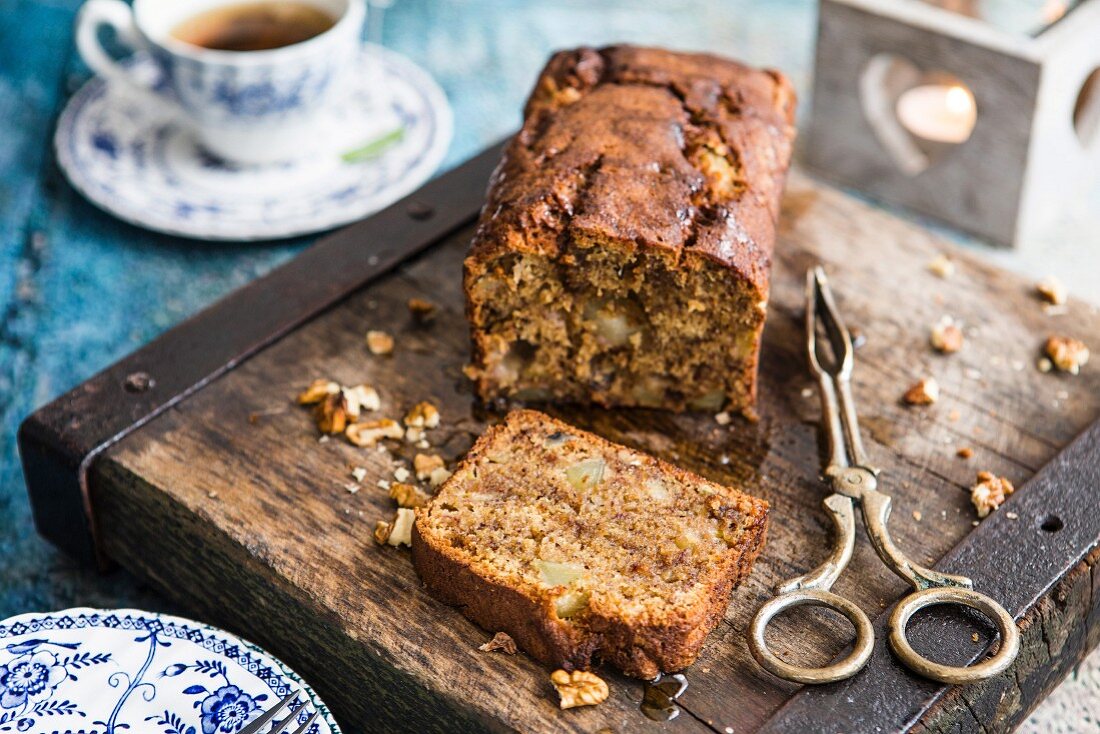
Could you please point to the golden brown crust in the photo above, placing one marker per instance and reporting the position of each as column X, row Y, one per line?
column 640, row 646
column 612, row 145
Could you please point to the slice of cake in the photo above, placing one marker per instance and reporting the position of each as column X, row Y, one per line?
column 623, row 253
column 583, row 550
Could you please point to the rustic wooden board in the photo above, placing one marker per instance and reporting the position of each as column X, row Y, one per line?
column 248, row 522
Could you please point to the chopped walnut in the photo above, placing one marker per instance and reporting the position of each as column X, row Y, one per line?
column 964, row 452
column 1052, row 291
column 989, row 492
column 924, row 392
column 317, row 391
column 382, row 530
column 941, row 266
column 501, row 642
column 358, row 473
column 401, row 534
column 422, row 415
column 370, row 433
column 401, row 474
column 1067, row 354
column 414, row 434
column 1044, row 365
column 579, row 688
column 379, row 342
column 422, row 310
column 408, row 495
column 362, row 397
column 425, row 464
column 722, row 419
column 946, row 336
column 438, row 476
column 331, row 414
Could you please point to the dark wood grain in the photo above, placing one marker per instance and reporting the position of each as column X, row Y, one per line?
column 206, row 503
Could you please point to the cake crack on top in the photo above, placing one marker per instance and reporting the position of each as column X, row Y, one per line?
column 582, row 550
column 623, row 253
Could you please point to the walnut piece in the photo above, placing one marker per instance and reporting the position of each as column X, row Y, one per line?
column 422, row 310
column 722, row 419
column 382, row 530
column 438, row 476
column 1066, row 353
column 317, row 391
column 501, row 642
column 946, row 336
column 425, row 464
column 965, row 452
column 989, row 492
column 408, row 495
column 1052, row 291
column 360, row 398
column 924, row 392
column 422, row 415
column 332, row 415
column 379, row 342
column 941, row 266
column 401, row 534
column 369, row 433
column 579, row 688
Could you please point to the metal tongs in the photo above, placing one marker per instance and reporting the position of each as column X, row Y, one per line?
column 853, row 480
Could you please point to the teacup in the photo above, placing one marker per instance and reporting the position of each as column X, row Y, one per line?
column 248, row 107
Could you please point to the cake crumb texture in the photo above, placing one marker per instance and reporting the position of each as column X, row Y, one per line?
column 582, row 550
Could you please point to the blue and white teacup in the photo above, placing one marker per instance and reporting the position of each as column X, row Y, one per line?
column 248, row 107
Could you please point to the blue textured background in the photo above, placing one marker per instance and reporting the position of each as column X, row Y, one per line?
column 79, row 289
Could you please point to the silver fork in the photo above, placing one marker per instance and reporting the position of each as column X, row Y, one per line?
column 279, row 727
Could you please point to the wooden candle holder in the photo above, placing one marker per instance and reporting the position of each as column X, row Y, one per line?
column 1032, row 158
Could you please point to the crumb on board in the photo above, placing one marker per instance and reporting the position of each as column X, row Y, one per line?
column 401, row 474
column 917, row 515
column 941, row 266
column 379, row 342
column 501, row 642
column 923, row 392
column 359, row 473
column 989, row 492
column 723, row 418
column 1066, row 353
column 422, row 310
column 1052, row 291
column 974, row 637
column 964, row 452
column 946, row 336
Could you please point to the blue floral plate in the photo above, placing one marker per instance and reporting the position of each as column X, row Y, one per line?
column 93, row 671
column 138, row 161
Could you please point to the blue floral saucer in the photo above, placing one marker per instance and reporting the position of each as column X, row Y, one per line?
column 92, row 671
column 137, row 160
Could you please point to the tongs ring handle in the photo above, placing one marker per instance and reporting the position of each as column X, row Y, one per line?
column 907, row 607
column 846, row 668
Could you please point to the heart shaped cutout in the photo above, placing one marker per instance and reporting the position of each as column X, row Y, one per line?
column 918, row 116
column 1086, row 111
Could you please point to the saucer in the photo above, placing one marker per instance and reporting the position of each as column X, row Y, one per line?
column 99, row 671
column 138, row 161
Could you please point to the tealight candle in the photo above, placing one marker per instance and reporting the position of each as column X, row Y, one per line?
column 939, row 113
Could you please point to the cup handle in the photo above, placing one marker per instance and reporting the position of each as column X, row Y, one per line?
column 96, row 14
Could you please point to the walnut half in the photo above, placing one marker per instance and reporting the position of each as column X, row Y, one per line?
column 579, row 688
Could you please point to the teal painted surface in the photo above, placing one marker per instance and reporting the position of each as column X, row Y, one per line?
column 79, row 289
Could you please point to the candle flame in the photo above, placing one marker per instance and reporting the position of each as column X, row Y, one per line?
column 959, row 100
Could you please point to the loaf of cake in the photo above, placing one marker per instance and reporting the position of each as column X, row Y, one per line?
column 623, row 253
column 582, row 550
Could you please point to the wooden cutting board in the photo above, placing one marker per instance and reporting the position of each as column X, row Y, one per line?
column 224, row 498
